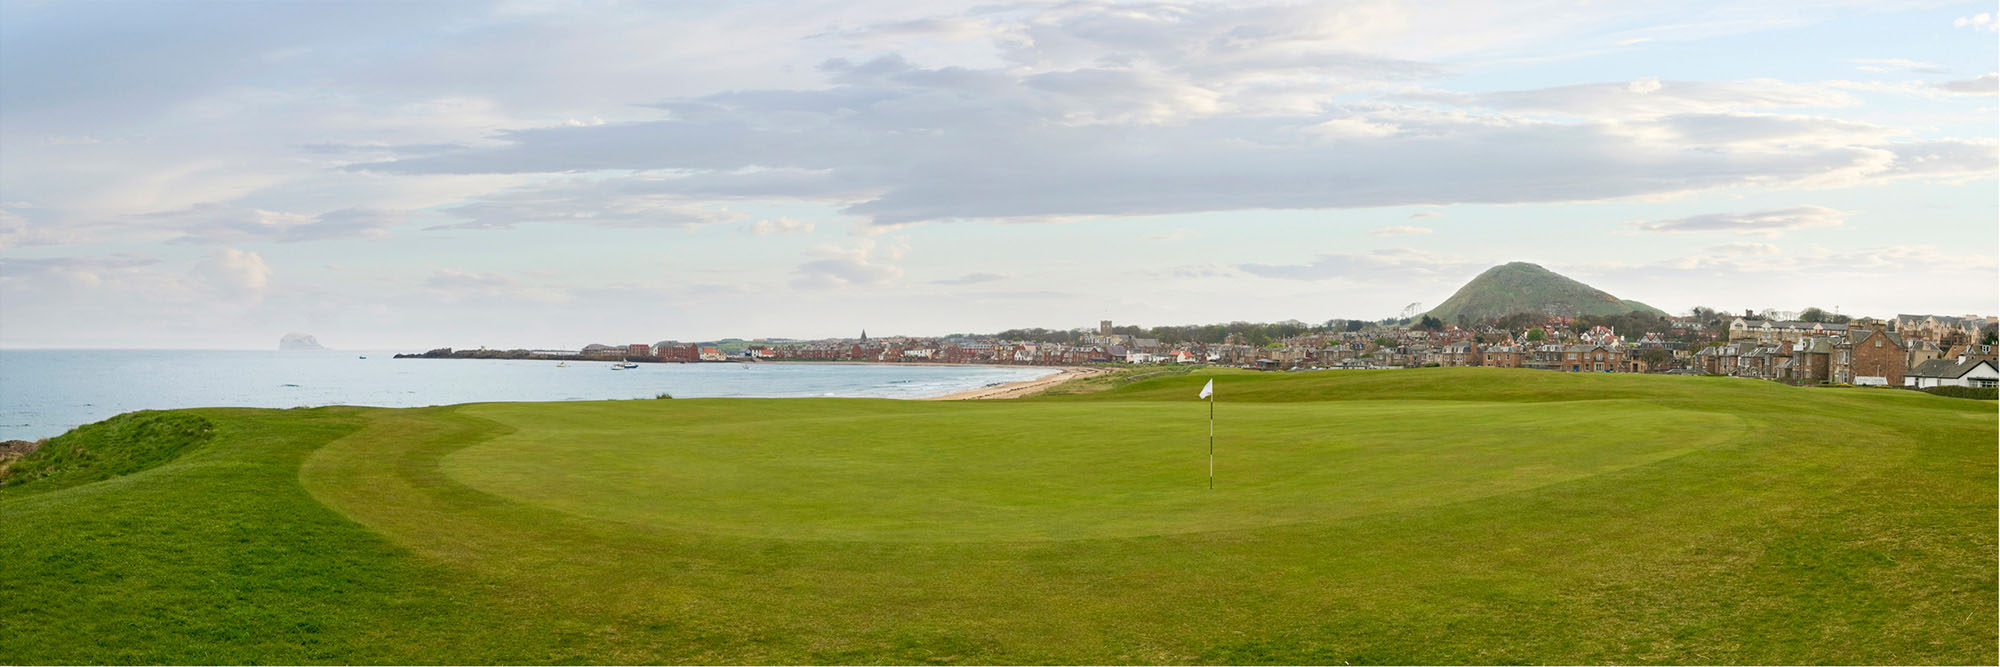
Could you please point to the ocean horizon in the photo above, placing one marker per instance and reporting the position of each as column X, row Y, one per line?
column 47, row 391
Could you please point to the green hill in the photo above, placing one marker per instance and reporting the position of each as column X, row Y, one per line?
column 1520, row 287
column 1437, row 516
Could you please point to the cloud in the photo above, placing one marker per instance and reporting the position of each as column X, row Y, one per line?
column 770, row 226
column 1896, row 65
column 1980, row 21
column 1178, row 234
column 456, row 285
column 867, row 263
column 1744, row 250
column 1400, row 230
column 951, row 168
column 1196, row 271
column 1388, row 265
column 971, row 279
column 1770, row 223
column 628, row 202
column 1814, row 262
column 1983, row 85
column 225, row 224
column 894, row 143
column 1757, row 132
column 72, row 271
column 1647, row 97
column 234, row 274
column 1426, row 215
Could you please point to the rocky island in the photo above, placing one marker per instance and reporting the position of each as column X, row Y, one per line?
column 298, row 342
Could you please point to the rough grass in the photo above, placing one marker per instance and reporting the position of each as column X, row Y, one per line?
column 1438, row 516
column 123, row 444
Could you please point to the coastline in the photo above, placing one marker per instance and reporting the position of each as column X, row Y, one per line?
column 793, row 362
column 1023, row 388
column 69, row 389
column 1002, row 391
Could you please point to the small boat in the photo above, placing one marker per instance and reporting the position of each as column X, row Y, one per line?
column 628, row 365
column 364, row 356
column 562, row 364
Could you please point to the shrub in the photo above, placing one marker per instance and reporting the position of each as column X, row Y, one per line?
column 1975, row 393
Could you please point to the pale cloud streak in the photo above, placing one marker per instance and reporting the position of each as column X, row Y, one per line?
column 1981, row 85
column 1379, row 266
column 773, row 226
column 1897, row 65
column 1767, row 223
column 971, row 279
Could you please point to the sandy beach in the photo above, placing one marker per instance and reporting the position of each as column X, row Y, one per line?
column 1023, row 388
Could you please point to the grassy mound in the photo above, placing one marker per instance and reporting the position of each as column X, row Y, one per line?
column 1438, row 516
column 120, row 445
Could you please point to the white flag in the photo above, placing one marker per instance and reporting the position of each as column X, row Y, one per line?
column 1207, row 389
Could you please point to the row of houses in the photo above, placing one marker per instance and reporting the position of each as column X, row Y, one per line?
column 950, row 352
column 1941, row 330
column 1858, row 356
column 1597, row 350
column 1790, row 350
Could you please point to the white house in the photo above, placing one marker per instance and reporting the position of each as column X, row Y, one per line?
column 1961, row 372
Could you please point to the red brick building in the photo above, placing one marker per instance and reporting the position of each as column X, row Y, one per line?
column 1505, row 356
column 680, row 353
column 1873, row 356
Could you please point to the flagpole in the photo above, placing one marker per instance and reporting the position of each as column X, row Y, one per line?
column 1211, row 442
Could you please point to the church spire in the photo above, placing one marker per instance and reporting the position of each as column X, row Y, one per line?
column 864, row 335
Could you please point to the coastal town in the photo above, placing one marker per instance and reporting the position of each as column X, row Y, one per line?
column 1513, row 315
column 1809, row 348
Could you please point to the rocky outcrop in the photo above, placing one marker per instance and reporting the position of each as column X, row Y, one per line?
column 298, row 341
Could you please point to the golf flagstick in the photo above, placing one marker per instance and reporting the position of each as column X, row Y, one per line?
column 1208, row 392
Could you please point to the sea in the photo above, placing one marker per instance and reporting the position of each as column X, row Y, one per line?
column 46, row 392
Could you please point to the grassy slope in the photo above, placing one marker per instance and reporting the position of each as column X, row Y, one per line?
column 1448, row 515
column 120, row 445
column 1520, row 287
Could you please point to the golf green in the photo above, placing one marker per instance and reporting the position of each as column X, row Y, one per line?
column 1425, row 516
column 996, row 471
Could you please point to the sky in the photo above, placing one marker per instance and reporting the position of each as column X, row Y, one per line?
column 391, row 175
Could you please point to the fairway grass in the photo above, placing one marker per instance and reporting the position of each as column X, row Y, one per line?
column 1425, row 516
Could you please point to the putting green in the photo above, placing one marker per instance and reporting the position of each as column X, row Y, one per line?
column 899, row 471
column 1437, row 516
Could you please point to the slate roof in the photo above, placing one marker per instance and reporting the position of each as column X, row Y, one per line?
column 1946, row 368
column 1858, row 335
